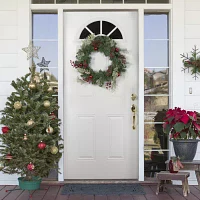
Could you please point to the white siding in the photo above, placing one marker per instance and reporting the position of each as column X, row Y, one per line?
column 192, row 37
column 14, row 35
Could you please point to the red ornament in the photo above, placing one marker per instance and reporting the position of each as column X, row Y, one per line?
column 30, row 167
column 41, row 145
column 80, row 65
column 8, row 157
column 90, row 77
column 5, row 129
column 116, row 49
column 53, row 116
column 118, row 74
column 95, row 48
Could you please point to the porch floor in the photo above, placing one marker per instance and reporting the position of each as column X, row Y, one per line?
column 52, row 192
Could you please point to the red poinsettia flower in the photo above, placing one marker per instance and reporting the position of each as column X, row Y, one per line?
column 5, row 129
column 185, row 118
column 182, row 124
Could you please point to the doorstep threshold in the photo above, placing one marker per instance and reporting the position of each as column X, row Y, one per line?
column 100, row 181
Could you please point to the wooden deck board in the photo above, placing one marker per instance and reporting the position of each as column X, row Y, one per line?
column 53, row 192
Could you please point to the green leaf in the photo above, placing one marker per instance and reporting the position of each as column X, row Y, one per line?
column 179, row 126
column 183, row 135
column 192, row 133
column 167, row 129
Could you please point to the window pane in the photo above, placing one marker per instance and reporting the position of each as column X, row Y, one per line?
column 156, row 53
column 134, row 1
column 45, row 26
column 155, row 103
column 154, row 137
column 154, row 161
column 156, row 26
column 111, row 1
column 52, row 76
column 89, row 1
column 157, row 1
column 49, row 50
column 42, row 1
column 95, row 27
column 66, row 1
column 156, row 81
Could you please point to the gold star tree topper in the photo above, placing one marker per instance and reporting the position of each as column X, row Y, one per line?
column 32, row 51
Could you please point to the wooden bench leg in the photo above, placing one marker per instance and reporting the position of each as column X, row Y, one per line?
column 185, row 189
column 188, row 188
column 160, row 187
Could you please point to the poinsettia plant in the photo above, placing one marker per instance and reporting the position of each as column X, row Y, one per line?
column 182, row 124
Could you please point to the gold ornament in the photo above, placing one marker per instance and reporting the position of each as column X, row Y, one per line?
column 1, row 165
column 50, row 89
column 47, row 103
column 30, row 122
column 25, row 137
column 49, row 129
column 36, row 79
column 32, row 86
column 54, row 150
column 17, row 105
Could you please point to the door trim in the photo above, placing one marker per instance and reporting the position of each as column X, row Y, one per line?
column 141, row 8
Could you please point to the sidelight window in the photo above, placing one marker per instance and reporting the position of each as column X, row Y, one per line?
column 156, row 91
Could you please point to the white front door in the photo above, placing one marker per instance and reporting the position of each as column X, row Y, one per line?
column 99, row 140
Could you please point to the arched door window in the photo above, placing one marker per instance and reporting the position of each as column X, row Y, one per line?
column 101, row 28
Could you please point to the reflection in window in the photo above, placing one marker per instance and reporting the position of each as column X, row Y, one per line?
column 156, row 81
column 156, row 91
column 107, row 29
column 66, row 1
column 111, row 1
column 134, row 1
column 89, row 1
column 158, row 1
column 42, row 1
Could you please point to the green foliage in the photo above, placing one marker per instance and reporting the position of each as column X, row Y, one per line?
column 25, row 151
column 192, row 62
column 109, row 48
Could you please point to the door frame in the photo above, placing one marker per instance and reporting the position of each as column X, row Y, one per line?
column 176, row 34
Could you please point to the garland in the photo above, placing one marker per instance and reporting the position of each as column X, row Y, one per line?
column 108, row 47
column 192, row 62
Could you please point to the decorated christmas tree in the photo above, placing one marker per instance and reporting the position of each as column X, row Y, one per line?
column 30, row 135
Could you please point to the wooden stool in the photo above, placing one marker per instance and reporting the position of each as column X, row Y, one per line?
column 181, row 176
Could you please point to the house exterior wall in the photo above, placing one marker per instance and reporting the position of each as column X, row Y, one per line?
column 191, row 38
column 14, row 34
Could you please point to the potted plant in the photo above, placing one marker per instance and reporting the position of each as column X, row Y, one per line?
column 31, row 142
column 184, row 130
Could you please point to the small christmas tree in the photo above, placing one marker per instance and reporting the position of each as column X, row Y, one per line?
column 31, row 134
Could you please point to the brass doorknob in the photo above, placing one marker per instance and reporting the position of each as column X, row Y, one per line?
column 133, row 112
column 133, row 97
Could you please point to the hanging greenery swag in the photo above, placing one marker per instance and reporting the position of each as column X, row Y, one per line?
column 109, row 48
column 192, row 62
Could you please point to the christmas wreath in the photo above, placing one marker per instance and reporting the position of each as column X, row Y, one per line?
column 108, row 47
column 192, row 62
